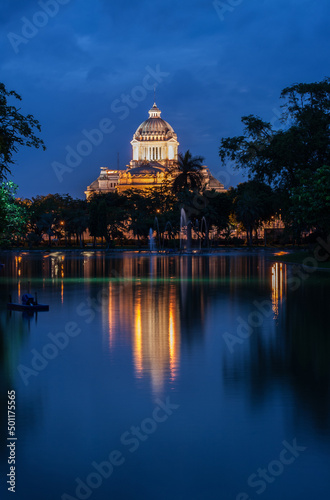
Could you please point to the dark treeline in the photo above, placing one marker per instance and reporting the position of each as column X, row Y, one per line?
column 127, row 218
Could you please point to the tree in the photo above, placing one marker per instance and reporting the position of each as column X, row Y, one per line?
column 108, row 216
column 187, row 173
column 15, row 130
column 218, row 210
column 253, row 204
column 74, row 218
column 56, row 215
column 311, row 201
column 141, row 216
column 13, row 215
column 283, row 158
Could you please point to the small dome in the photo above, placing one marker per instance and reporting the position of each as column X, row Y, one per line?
column 155, row 126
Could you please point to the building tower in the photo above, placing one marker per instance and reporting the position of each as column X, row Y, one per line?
column 154, row 141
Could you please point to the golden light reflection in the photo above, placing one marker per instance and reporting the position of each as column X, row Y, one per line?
column 152, row 315
column 173, row 344
column 278, row 286
column 156, row 336
column 138, row 339
column 111, row 316
column 18, row 260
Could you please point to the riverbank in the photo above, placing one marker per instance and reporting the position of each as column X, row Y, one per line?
column 302, row 258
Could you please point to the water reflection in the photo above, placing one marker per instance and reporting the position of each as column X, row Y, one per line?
column 289, row 353
column 159, row 307
column 57, row 265
column 156, row 337
column 152, row 316
column 156, row 330
column 279, row 283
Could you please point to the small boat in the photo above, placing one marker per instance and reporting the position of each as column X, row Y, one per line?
column 28, row 304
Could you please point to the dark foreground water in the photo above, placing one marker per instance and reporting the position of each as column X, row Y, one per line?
column 166, row 377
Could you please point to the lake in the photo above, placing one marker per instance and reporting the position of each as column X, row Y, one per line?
column 168, row 377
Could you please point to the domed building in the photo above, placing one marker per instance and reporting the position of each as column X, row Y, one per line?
column 155, row 149
column 155, row 140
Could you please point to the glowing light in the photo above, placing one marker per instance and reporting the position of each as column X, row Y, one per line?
column 275, row 289
column 138, row 339
column 278, row 284
column 172, row 342
column 110, row 317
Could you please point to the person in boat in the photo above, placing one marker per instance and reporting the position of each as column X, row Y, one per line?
column 27, row 300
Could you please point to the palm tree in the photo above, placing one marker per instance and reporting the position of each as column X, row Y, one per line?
column 187, row 172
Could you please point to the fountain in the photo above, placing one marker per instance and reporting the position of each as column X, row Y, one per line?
column 157, row 229
column 185, row 229
column 206, row 233
column 168, row 224
column 152, row 245
column 183, row 226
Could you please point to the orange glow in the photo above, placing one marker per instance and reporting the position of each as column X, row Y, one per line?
column 278, row 284
column 110, row 318
column 172, row 343
column 275, row 289
column 138, row 339
column 278, row 254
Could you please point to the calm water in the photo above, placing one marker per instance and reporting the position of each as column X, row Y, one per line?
column 194, row 378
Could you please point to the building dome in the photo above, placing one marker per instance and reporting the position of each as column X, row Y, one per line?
column 154, row 128
column 154, row 140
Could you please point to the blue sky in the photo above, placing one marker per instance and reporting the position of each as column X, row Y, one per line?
column 74, row 62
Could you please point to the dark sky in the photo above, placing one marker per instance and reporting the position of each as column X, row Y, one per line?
column 74, row 66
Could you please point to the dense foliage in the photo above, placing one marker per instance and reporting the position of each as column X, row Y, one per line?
column 15, row 130
column 13, row 215
column 293, row 160
column 127, row 218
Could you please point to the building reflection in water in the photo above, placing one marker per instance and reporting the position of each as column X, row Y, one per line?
column 156, row 337
column 150, row 313
column 153, row 303
column 279, row 283
column 57, row 266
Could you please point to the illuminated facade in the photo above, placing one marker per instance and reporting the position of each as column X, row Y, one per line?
column 154, row 150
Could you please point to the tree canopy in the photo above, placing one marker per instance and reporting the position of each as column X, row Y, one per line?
column 292, row 156
column 15, row 130
column 13, row 214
